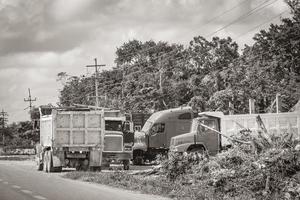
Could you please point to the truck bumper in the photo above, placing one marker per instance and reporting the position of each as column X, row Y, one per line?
column 116, row 157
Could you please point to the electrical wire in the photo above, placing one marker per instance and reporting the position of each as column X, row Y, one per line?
column 205, row 24
column 252, row 11
column 265, row 22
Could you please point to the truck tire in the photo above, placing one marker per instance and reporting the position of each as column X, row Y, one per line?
column 57, row 169
column 39, row 164
column 49, row 163
column 126, row 164
column 138, row 160
column 45, row 162
column 196, row 149
column 95, row 168
column 50, row 167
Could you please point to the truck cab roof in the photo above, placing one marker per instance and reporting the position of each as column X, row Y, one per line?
column 212, row 114
column 167, row 114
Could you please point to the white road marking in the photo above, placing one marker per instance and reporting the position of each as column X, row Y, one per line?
column 26, row 191
column 39, row 197
column 5, row 182
column 16, row 186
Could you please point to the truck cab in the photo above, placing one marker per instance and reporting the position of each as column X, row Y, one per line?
column 117, row 144
column 199, row 139
column 155, row 136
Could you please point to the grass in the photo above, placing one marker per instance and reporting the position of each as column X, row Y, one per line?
column 147, row 185
column 181, row 188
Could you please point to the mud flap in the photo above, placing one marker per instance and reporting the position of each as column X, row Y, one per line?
column 58, row 158
column 95, row 158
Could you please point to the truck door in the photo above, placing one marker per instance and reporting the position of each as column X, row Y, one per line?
column 157, row 136
column 208, row 137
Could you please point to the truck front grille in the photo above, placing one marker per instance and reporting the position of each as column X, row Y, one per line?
column 113, row 143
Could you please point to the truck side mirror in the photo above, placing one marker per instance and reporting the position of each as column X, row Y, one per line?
column 126, row 126
column 201, row 129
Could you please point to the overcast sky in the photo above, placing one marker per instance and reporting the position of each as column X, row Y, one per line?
column 40, row 38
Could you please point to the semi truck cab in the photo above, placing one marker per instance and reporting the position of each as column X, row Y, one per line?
column 199, row 139
column 155, row 136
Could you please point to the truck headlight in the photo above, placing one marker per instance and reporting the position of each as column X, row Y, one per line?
column 174, row 149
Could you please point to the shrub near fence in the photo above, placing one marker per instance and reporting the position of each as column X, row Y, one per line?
column 17, row 150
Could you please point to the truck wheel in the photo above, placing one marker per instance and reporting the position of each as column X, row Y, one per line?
column 138, row 160
column 95, row 168
column 85, row 165
column 50, row 167
column 39, row 164
column 197, row 149
column 126, row 164
column 48, row 160
column 57, row 169
column 45, row 161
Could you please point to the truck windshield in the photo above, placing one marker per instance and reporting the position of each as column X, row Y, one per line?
column 208, row 122
column 147, row 127
column 113, row 125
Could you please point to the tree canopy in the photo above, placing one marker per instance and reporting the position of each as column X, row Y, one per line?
column 209, row 75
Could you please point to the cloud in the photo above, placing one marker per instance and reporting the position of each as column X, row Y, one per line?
column 68, row 10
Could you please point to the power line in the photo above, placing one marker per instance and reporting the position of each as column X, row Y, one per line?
column 160, row 56
column 168, row 54
column 208, row 22
column 260, row 24
column 239, row 35
column 225, row 12
column 257, row 8
column 232, row 8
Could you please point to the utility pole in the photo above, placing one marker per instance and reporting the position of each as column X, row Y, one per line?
column 96, row 80
column 3, row 121
column 30, row 100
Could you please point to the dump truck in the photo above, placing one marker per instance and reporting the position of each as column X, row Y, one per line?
column 155, row 136
column 70, row 138
column 205, row 129
column 118, row 139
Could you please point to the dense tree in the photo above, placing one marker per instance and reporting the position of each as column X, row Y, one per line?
column 208, row 75
column 210, row 62
column 21, row 134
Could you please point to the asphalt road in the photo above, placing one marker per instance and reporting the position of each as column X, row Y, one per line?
column 19, row 180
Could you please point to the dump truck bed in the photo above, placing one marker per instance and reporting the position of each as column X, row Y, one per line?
column 72, row 129
column 275, row 123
